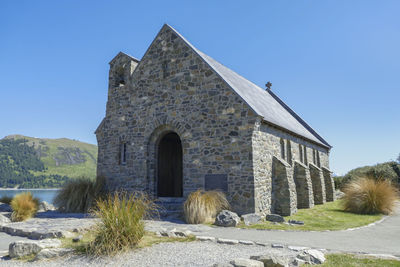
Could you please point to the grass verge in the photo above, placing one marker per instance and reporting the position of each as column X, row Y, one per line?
column 347, row 260
column 329, row 216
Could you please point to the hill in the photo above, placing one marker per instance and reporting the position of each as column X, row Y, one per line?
column 29, row 162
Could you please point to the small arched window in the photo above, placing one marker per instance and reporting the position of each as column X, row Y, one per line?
column 318, row 160
column 314, row 157
column 289, row 152
column 122, row 153
column 301, row 153
column 305, row 155
column 282, row 149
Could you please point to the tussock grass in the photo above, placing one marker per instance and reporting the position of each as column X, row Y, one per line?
column 79, row 195
column 6, row 199
column 24, row 206
column 370, row 196
column 121, row 225
column 203, row 206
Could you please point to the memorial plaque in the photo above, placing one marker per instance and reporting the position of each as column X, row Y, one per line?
column 216, row 182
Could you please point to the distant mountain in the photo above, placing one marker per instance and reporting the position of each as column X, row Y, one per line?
column 29, row 162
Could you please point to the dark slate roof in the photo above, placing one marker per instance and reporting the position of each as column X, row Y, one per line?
column 263, row 102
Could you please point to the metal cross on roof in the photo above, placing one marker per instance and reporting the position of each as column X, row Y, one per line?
column 268, row 85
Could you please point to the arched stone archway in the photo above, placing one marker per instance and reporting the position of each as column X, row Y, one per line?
column 169, row 166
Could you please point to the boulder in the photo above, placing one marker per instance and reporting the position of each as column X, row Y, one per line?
column 339, row 194
column 44, row 206
column 240, row 262
column 5, row 207
column 251, row 218
column 296, row 222
column 48, row 253
column 275, row 218
column 77, row 239
column 227, row 218
column 27, row 247
column 271, row 260
column 4, row 219
column 312, row 256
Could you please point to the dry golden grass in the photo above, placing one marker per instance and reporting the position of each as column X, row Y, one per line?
column 203, row 206
column 24, row 206
column 79, row 195
column 370, row 196
column 121, row 224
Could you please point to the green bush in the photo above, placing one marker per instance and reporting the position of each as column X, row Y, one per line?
column 79, row 195
column 389, row 171
column 24, row 206
column 203, row 206
column 370, row 196
column 121, row 222
column 338, row 181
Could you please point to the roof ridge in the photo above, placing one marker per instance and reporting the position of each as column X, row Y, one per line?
column 266, row 105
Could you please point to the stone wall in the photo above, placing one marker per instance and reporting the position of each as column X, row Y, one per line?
column 267, row 144
column 173, row 89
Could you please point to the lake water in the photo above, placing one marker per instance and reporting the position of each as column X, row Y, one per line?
column 43, row 194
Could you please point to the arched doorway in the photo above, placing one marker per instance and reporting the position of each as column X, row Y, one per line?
column 169, row 169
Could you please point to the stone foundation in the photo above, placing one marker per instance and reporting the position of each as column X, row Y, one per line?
column 302, row 179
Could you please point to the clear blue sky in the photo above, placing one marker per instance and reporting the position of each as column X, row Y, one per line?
column 336, row 63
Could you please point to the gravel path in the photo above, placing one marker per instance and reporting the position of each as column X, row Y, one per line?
column 164, row 254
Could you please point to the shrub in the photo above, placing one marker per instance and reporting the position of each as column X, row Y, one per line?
column 368, row 196
column 389, row 171
column 79, row 195
column 203, row 206
column 6, row 199
column 338, row 182
column 121, row 222
column 24, row 206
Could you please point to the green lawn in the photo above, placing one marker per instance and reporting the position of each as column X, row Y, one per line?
column 346, row 260
column 328, row 216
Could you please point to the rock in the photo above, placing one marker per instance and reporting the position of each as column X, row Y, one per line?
column 205, row 238
column 5, row 207
column 27, row 247
column 275, row 218
column 296, row 248
column 48, row 253
column 44, row 206
column 246, row 242
column 222, row 265
column 271, row 260
column 240, row 262
column 312, row 256
column 296, row 222
column 227, row 218
column 180, row 233
column 277, row 246
column 338, row 194
column 227, row 241
column 4, row 219
column 77, row 239
column 251, row 218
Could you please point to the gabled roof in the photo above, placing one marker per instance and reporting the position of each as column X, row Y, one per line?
column 122, row 54
column 264, row 103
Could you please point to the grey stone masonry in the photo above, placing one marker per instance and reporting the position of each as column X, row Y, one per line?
column 329, row 184
column 177, row 117
column 302, row 179
column 318, row 184
column 283, row 188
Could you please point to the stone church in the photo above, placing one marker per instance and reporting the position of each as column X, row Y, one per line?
column 177, row 121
